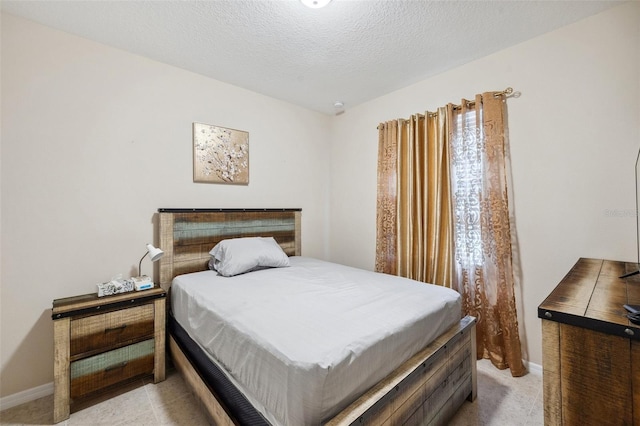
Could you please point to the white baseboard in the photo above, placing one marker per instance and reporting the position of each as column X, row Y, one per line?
column 26, row 396
column 533, row 368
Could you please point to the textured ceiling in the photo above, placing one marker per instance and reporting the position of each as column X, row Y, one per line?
column 351, row 50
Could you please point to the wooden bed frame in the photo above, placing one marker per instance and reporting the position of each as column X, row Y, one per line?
column 427, row 389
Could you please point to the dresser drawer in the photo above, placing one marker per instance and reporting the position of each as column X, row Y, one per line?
column 98, row 332
column 108, row 368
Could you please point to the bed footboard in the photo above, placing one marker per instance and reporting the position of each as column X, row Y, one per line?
column 427, row 389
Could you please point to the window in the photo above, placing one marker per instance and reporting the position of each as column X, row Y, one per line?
column 466, row 176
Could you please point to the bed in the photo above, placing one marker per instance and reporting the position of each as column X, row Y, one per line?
column 425, row 387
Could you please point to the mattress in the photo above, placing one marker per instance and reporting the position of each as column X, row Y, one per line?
column 303, row 342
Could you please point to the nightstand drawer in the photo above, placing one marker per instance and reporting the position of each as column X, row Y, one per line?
column 105, row 369
column 103, row 331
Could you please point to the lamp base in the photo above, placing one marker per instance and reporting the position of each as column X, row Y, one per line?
column 142, row 282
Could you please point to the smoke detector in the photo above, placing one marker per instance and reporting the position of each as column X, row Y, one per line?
column 315, row 4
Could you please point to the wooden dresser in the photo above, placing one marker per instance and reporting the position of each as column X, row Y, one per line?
column 102, row 342
column 591, row 351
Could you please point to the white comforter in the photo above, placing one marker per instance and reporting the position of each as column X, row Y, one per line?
column 303, row 342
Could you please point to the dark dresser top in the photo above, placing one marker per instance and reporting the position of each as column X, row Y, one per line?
column 592, row 296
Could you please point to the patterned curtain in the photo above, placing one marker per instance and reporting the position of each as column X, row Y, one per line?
column 443, row 214
column 484, row 273
column 386, row 212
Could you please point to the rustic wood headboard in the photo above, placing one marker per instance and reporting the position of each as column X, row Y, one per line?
column 187, row 235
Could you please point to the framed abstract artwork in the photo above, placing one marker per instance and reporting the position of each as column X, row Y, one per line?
column 220, row 155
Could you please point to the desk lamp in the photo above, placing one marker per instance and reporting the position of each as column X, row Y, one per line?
column 155, row 254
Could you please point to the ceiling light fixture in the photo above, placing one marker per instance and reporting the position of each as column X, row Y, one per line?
column 315, row 4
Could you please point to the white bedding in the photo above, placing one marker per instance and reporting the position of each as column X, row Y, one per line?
column 305, row 341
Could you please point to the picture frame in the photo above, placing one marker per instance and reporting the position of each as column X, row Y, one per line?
column 220, row 155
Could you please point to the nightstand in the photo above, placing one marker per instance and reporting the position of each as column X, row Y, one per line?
column 101, row 342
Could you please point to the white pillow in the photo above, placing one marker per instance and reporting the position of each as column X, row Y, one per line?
column 238, row 255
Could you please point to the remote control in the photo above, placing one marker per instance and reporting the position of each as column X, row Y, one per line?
column 634, row 309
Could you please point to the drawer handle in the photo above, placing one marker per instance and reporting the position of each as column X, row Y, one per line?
column 120, row 327
column 115, row 367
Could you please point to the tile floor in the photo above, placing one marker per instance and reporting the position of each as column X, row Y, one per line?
column 502, row 400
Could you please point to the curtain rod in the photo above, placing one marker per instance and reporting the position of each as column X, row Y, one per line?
column 506, row 93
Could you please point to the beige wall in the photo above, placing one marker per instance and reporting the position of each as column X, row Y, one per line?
column 94, row 140
column 575, row 133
